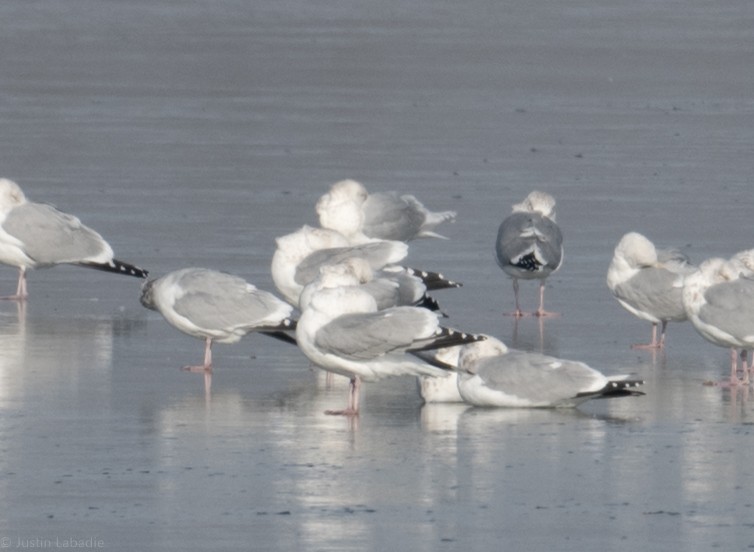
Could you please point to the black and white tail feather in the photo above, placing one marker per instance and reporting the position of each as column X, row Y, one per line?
column 119, row 267
column 616, row 388
column 447, row 337
column 430, row 303
column 528, row 262
column 433, row 280
column 280, row 332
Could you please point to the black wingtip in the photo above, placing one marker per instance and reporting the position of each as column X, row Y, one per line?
column 119, row 267
column 619, row 388
column 431, row 304
column 449, row 337
column 433, row 280
column 280, row 332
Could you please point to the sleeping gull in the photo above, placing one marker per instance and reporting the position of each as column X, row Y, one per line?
column 719, row 302
column 648, row 283
column 441, row 389
column 300, row 254
column 37, row 235
column 348, row 208
column 490, row 374
column 341, row 331
column 214, row 306
column 530, row 245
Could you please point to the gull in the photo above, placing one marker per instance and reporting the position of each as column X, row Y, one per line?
column 490, row 374
column 214, row 306
column 37, row 235
column 719, row 303
column 648, row 283
column 348, row 208
column 342, row 331
column 300, row 255
column 530, row 245
column 441, row 389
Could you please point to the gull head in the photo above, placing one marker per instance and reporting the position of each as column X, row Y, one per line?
column 147, row 295
column 537, row 202
column 474, row 352
column 636, row 250
column 11, row 195
column 340, row 209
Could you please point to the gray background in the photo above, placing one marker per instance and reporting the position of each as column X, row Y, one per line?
column 194, row 133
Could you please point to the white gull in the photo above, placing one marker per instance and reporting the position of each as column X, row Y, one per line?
column 214, row 306
column 37, row 235
column 361, row 216
column 719, row 302
column 648, row 283
column 492, row 375
column 342, row 331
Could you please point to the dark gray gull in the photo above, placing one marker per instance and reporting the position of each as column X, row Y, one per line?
column 648, row 283
column 529, row 245
column 348, row 208
column 719, row 303
column 215, row 306
column 37, row 235
column 342, row 331
column 492, row 375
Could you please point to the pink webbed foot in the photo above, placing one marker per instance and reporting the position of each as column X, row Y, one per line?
column 545, row 314
column 344, row 412
column 197, row 369
column 352, row 409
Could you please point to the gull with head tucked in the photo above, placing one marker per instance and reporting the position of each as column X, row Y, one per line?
column 490, row 374
column 37, row 235
column 648, row 283
column 342, row 331
column 719, row 302
column 214, row 306
column 348, row 208
column 529, row 245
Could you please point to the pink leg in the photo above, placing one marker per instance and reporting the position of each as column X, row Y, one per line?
column 353, row 400
column 655, row 344
column 745, row 365
column 541, row 312
column 733, row 381
column 734, row 367
column 207, row 366
column 518, row 313
column 207, row 384
column 21, row 293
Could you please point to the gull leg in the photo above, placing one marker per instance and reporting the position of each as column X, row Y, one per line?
column 207, row 366
column 541, row 312
column 21, row 293
column 353, row 400
column 661, row 344
column 733, row 381
column 655, row 344
column 745, row 365
column 518, row 313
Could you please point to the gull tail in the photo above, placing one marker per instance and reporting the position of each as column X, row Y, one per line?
column 431, row 304
column 280, row 332
column 433, row 280
column 616, row 388
column 448, row 337
column 118, row 267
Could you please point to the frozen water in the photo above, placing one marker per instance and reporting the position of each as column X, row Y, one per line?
column 194, row 133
